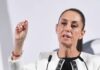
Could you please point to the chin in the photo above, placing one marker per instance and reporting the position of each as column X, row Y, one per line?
column 66, row 43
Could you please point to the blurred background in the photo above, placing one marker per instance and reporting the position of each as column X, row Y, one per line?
column 42, row 16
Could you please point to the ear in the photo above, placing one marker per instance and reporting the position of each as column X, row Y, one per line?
column 56, row 28
column 82, row 34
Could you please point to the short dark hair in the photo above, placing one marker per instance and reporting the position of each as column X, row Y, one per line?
column 80, row 42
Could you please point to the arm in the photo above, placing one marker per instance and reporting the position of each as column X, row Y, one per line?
column 15, row 59
column 20, row 35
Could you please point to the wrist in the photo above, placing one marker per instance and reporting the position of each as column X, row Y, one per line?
column 15, row 55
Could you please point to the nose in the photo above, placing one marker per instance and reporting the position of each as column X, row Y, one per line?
column 67, row 28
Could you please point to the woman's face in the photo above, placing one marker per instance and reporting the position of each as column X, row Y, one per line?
column 69, row 28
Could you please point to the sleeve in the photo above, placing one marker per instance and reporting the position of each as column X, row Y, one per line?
column 18, row 65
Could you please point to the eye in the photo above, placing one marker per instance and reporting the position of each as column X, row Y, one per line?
column 74, row 25
column 63, row 23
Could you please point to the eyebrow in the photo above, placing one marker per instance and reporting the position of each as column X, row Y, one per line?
column 74, row 22
column 67, row 20
column 64, row 19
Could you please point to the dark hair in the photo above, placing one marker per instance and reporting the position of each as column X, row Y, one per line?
column 80, row 42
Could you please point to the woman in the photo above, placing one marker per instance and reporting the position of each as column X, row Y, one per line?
column 69, row 56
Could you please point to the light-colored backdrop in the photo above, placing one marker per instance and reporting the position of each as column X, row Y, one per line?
column 43, row 16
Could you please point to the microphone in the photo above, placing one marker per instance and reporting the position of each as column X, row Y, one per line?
column 83, row 61
column 49, row 59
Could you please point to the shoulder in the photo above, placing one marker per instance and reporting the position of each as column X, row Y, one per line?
column 93, row 61
column 90, row 57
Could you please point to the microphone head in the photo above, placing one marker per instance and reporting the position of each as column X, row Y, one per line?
column 49, row 59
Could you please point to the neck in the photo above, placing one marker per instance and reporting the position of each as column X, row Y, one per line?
column 68, row 52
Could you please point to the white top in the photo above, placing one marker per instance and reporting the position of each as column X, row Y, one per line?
column 92, row 62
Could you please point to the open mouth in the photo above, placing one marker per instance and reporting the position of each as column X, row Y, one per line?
column 67, row 36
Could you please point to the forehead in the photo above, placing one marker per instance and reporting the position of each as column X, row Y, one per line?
column 71, row 16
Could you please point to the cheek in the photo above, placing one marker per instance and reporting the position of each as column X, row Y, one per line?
column 59, row 30
column 76, row 33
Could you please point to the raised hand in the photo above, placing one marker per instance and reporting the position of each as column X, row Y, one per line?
column 20, row 35
column 21, row 31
